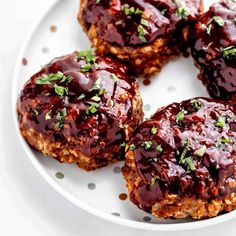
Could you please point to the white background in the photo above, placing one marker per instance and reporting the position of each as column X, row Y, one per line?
column 28, row 205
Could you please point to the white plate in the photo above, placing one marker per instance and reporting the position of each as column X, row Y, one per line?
column 98, row 192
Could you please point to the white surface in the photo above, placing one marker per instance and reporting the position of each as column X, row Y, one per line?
column 28, row 204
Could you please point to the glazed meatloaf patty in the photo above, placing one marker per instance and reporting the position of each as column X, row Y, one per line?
column 80, row 109
column 144, row 34
column 181, row 163
column 214, row 50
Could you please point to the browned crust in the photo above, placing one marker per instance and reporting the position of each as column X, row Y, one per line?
column 69, row 152
column 175, row 206
column 143, row 60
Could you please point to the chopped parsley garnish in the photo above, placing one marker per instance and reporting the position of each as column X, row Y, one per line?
column 182, row 12
column 220, row 122
column 196, row 104
column 98, row 1
column 147, row 145
column 217, row 19
column 201, row 151
column 90, row 60
column 60, row 116
column 53, row 77
column 142, row 32
column 35, row 112
column 180, row 116
column 48, row 115
column 187, row 162
column 86, row 67
column 144, row 22
column 159, row 148
column 60, row 90
column 229, row 52
column 153, row 181
column 92, row 108
column 88, row 55
column 96, row 98
column 224, row 140
column 123, row 144
column 130, row 10
column 119, row 22
column 97, row 84
column 153, row 130
column 81, row 96
column 132, row 147
column 114, row 77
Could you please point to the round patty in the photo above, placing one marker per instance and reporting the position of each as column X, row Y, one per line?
column 181, row 163
column 80, row 109
column 144, row 34
column 214, row 50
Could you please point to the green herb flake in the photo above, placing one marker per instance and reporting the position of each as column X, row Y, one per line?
column 48, row 115
column 153, row 181
column 219, row 20
column 132, row 147
column 201, row 151
column 182, row 12
column 180, row 116
column 229, row 52
column 130, row 10
column 96, row 98
column 60, row 116
column 123, row 144
column 92, row 108
column 147, row 145
column 224, row 141
column 35, row 112
column 98, row 1
column 86, row 67
column 153, row 130
column 88, row 55
column 53, row 77
column 97, row 84
column 119, row 22
column 220, row 122
column 159, row 148
column 60, row 90
column 196, row 104
column 114, row 77
column 81, row 96
column 142, row 38
column 141, row 30
column 144, row 22
column 234, row 20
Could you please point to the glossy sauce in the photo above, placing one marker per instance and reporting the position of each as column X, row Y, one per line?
column 93, row 132
column 213, row 171
column 217, row 72
column 116, row 27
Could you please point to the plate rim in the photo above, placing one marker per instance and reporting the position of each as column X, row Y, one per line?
column 78, row 203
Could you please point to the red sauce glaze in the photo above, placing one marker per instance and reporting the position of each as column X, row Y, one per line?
column 217, row 72
column 120, row 26
column 101, row 129
column 161, row 168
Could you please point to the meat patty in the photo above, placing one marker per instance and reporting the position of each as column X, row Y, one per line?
column 80, row 109
column 182, row 163
column 214, row 50
column 143, row 34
